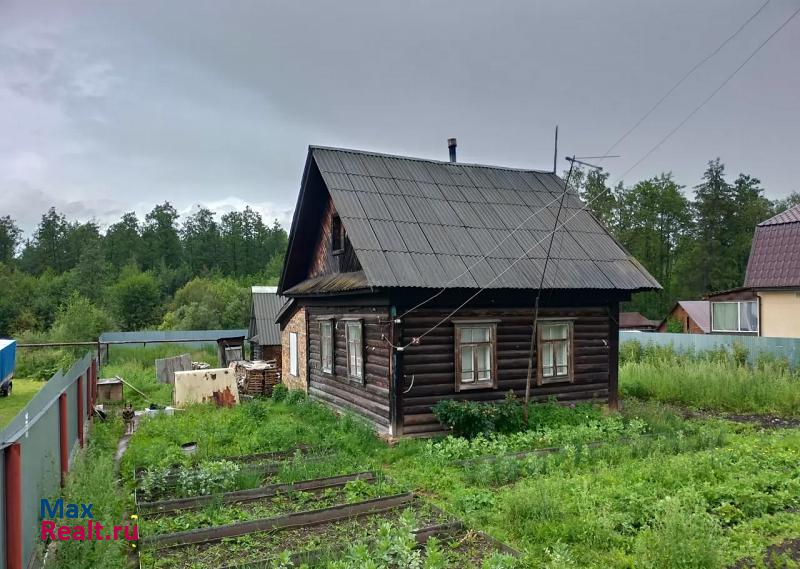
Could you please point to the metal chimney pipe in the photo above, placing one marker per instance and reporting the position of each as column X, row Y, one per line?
column 451, row 145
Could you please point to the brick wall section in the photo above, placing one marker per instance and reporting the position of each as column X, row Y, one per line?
column 296, row 324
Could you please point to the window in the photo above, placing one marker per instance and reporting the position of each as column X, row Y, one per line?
column 735, row 316
column 337, row 235
column 555, row 351
column 355, row 350
column 326, row 349
column 293, row 353
column 476, row 366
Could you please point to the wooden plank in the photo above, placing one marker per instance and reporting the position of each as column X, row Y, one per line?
column 300, row 519
column 249, row 495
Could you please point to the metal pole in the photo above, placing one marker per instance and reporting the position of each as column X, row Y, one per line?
column 62, row 437
column 13, row 506
column 81, row 394
column 539, row 294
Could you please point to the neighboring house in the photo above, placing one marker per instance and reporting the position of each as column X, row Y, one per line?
column 773, row 272
column 636, row 321
column 769, row 302
column 264, row 334
column 384, row 250
column 694, row 317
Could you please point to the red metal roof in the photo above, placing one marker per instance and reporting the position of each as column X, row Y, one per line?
column 635, row 320
column 775, row 253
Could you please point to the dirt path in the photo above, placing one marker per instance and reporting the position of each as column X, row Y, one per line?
column 766, row 421
column 122, row 445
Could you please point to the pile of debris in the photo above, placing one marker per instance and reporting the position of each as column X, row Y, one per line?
column 257, row 378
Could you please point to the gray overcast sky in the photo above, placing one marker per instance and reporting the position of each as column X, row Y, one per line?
column 111, row 106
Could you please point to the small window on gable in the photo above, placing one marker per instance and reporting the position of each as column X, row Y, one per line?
column 355, row 349
column 337, row 235
column 475, row 355
column 555, row 352
column 326, row 349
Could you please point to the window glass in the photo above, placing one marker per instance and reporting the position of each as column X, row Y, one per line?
column 748, row 316
column 327, row 346
column 554, row 350
column 355, row 354
column 725, row 316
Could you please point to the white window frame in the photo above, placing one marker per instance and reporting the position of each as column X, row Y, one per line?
column 293, row 360
column 738, row 304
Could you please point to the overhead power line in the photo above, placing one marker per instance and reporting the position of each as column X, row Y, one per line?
column 684, row 77
column 714, row 92
column 606, row 190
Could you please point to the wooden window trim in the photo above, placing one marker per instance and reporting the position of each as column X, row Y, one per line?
column 347, row 324
column 331, row 345
column 570, row 377
column 470, row 323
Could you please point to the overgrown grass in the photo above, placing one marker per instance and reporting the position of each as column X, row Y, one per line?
column 717, row 380
column 137, row 367
column 92, row 480
column 22, row 391
column 692, row 494
column 259, row 426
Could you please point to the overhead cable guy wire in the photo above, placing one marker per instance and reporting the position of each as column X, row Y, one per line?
column 684, row 77
column 600, row 194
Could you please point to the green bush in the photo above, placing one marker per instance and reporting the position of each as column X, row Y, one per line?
column 279, row 392
column 295, row 396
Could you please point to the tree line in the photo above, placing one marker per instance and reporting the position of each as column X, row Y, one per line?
column 691, row 245
column 71, row 280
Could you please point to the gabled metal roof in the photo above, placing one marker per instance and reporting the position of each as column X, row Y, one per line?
column 426, row 223
column 775, row 254
column 264, row 309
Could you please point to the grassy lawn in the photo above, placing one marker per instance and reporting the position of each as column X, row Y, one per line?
column 22, row 392
column 658, row 491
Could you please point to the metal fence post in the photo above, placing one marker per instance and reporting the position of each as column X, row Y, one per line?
column 81, row 395
column 62, row 437
column 13, row 506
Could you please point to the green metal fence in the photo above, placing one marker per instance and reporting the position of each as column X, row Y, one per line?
column 31, row 460
column 788, row 348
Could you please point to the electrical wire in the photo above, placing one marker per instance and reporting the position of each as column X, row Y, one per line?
column 714, row 92
column 685, row 77
column 653, row 149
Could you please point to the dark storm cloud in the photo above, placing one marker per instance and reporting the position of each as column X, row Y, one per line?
column 108, row 107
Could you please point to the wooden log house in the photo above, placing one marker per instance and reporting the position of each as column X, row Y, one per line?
column 374, row 236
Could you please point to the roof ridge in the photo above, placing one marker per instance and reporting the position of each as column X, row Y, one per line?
column 784, row 214
column 418, row 159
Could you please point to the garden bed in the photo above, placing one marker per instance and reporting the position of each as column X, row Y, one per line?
column 344, row 490
column 253, row 541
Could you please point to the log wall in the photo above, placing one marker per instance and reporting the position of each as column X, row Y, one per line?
column 370, row 400
column 431, row 363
